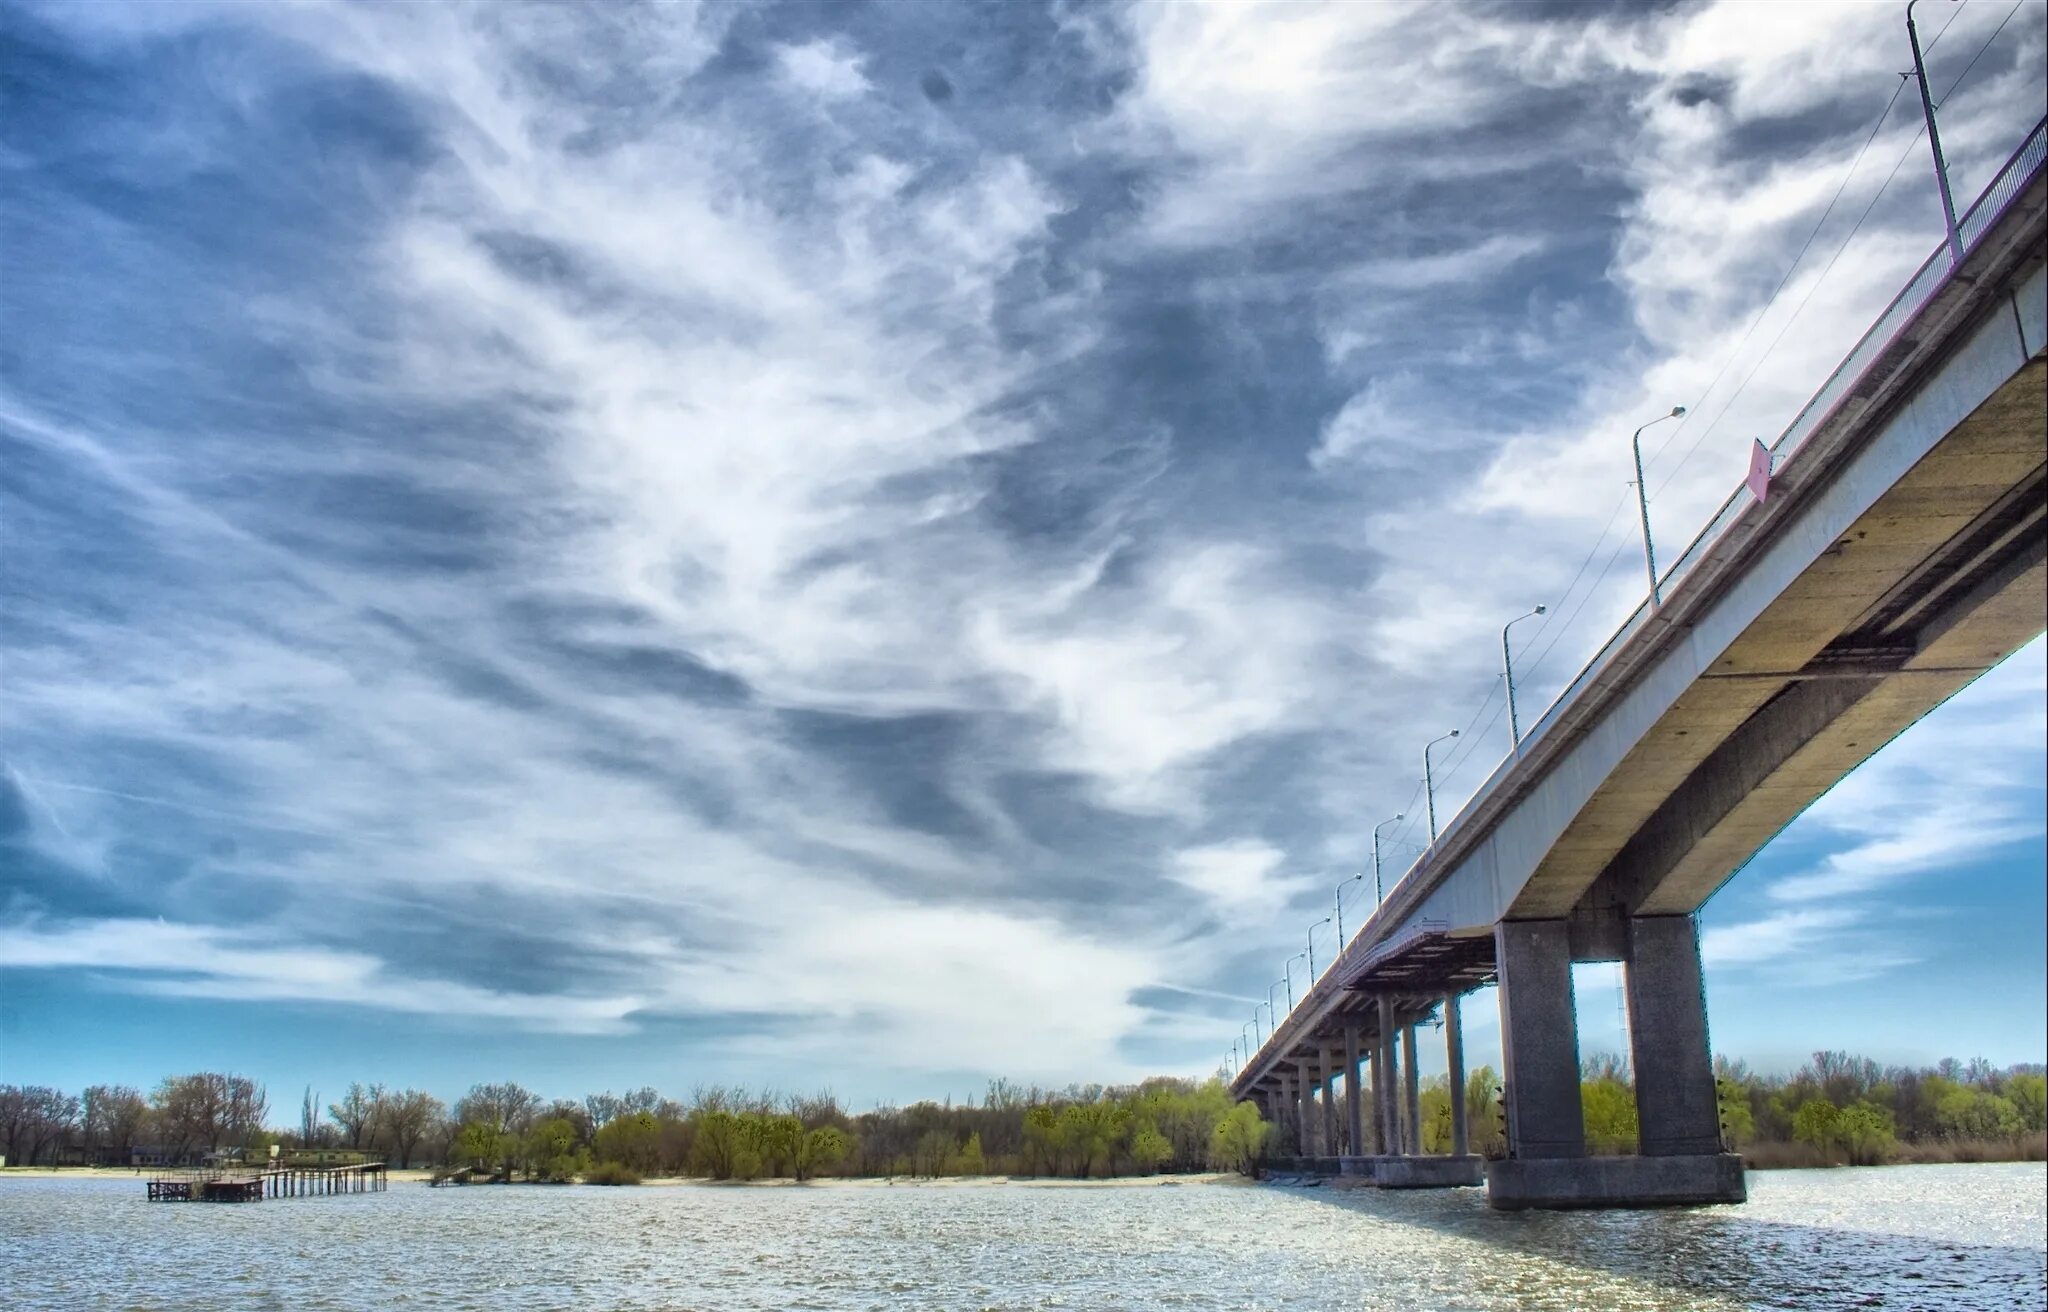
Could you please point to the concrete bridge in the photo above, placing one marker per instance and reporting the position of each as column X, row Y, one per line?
column 1897, row 555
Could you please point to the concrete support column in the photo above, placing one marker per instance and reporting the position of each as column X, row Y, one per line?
column 1354, row 1101
column 1304, row 1103
column 1454, row 1053
column 1385, row 1082
column 1539, row 1035
column 1677, row 1105
column 1331, row 1148
column 1411, row 1090
column 1283, row 1115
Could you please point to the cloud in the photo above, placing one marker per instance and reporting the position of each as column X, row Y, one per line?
column 824, row 70
column 662, row 522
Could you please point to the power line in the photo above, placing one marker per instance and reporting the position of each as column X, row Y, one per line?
column 1727, row 405
column 1846, row 241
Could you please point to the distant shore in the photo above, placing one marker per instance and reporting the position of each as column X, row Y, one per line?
column 417, row 1176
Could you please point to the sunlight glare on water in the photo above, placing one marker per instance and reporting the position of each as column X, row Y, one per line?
column 1909, row 1237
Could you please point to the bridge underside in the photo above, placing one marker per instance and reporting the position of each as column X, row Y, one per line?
column 1941, row 579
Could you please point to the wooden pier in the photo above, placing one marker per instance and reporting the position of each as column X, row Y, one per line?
column 282, row 1182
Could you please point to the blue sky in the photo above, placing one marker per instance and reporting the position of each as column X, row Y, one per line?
column 884, row 545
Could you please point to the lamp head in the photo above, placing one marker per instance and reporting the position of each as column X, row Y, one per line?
column 1453, row 733
column 1543, row 610
column 1678, row 412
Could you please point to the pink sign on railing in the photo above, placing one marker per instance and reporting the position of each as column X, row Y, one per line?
column 1759, row 479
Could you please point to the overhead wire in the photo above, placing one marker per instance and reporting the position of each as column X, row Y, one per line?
column 1465, row 751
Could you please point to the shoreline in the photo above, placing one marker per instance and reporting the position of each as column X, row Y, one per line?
column 419, row 1175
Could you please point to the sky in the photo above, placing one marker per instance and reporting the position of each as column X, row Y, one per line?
column 874, row 547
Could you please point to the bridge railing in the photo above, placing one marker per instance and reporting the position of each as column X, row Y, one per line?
column 1984, row 212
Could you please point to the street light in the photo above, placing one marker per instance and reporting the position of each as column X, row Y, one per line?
column 1429, row 781
column 1311, row 954
column 1507, row 664
column 1272, row 1012
column 1948, row 205
column 1643, row 500
column 1340, row 909
column 1290, row 980
column 1379, row 892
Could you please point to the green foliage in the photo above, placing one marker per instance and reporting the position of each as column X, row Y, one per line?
column 1483, row 1116
column 1738, row 1123
column 823, row 1149
column 1863, row 1133
column 1610, row 1108
column 632, row 1141
column 477, row 1144
column 551, row 1150
column 1238, row 1140
column 1150, row 1150
column 611, row 1173
column 1814, row 1123
column 1966, row 1113
column 972, row 1161
column 2029, row 1097
column 724, row 1148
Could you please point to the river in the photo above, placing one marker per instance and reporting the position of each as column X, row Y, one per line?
column 1898, row 1237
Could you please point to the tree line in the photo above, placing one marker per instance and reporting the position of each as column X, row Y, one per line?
column 506, row 1131
column 1835, row 1108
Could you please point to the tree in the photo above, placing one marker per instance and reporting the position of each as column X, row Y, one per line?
column 408, row 1117
column 1814, row 1123
column 632, row 1139
column 479, row 1143
column 1149, row 1149
column 33, row 1117
column 1610, row 1110
column 1483, row 1118
column 354, row 1113
column 823, row 1149
column 723, row 1147
column 1738, row 1123
column 780, row 1139
column 507, row 1106
column 551, row 1151
column 1238, row 1140
column 1864, row 1132
column 111, row 1117
column 2028, row 1094
column 971, row 1161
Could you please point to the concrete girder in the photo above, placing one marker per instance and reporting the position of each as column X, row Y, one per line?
column 1730, row 763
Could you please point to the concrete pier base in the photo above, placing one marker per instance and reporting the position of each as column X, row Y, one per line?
column 1428, row 1172
column 1558, row 1182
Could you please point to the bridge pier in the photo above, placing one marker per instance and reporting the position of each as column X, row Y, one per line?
column 1354, row 1103
column 1547, row 1165
column 1331, row 1148
column 1411, row 1091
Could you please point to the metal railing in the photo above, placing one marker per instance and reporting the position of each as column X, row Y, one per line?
column 1990, row 206
column 2012, row 179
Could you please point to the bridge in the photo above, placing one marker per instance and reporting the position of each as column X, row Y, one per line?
column 1897, row 554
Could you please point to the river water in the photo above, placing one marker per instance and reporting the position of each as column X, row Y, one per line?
column 1899, row 1237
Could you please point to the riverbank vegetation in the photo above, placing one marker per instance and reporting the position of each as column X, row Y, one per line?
column 1836, row 1109
column 507, row 1132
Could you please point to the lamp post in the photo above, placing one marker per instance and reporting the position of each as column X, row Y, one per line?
column 1507, row 665
column 1339, row 909
column 1290, row 979
column 1429, row 780
column 1948, row 205
column 1379, row 892
column 1311, row 953
column 1251, row 1046
column 1643, row 500
column 1272, row 1012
